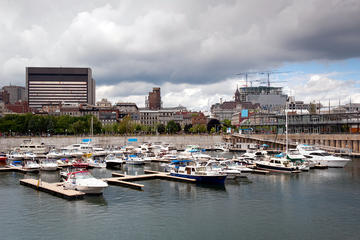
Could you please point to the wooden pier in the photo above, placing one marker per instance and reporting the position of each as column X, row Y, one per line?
column 55, row 189
column 15, row 169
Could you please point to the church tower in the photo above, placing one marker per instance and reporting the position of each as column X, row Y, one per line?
column 237, row 95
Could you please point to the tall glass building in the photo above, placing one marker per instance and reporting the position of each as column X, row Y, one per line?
column 54, row 86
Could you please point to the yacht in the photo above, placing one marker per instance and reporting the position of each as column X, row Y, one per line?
column 215, row 166
column 134, row 160
column 15, row 155
column 199, row 173
column 277, row 164
column 29, row 155
column 3, row 158
column 53, row 154
column 83, row 181
column 236, row 165
column 48, row 165
column 114, row 160
column 321, row 157
column 31, row 165
column 28, row 145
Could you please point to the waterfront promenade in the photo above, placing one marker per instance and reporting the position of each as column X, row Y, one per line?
column 180, row 141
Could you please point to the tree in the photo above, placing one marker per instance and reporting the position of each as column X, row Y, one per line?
column 187, row 128
column 227, row 123
column 213, row 130
column 161, row 128
column 172, row 127
column 213, row 123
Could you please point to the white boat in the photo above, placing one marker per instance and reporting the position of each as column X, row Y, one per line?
column 31, row 165
column 114, row 160
column 15, row 155
column 29, row 155
column 95, row 163
column 221, row 147
column 83, row 181
column 28, row 145
column 48, row 165
column 215, row 166
column 134, row 160
column 236, row 165
column 321, row 157
column 53, row 154
column 65, row 153
column 280, row 164
column 75, row 153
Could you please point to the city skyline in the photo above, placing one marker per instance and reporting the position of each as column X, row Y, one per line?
column 192, row 51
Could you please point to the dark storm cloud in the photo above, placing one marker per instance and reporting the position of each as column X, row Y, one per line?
column 174, row 41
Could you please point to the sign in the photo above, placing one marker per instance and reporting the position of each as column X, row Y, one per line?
column 132, row 140
column 244, row 113
column 86, row 140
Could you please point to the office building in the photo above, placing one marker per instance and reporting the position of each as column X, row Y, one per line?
column 56, row 86
column 153, row 102
column 16, row 93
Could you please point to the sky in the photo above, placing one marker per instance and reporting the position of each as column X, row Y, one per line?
column 193, row 50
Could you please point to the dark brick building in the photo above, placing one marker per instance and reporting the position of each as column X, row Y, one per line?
column 154, row 100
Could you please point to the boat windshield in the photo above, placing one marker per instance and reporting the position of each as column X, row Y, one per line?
column 83, row 175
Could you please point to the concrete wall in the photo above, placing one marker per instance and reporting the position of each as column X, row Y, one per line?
column 59, row 141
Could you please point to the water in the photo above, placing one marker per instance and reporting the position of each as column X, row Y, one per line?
column 320, row 204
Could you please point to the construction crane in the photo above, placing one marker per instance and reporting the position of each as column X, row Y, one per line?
column 246, row 74
column 268, row 73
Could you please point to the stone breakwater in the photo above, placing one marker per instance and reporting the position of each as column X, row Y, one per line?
column 180, row 141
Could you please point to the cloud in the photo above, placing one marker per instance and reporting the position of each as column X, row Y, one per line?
column 177, row 41
column 324, row 88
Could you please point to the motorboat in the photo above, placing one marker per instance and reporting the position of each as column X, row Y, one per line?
column 215, row 166
column 80, row 163
column 28, row 145
column 48, row 165
column 221, row 147
column 29, row 155
column 321, row 157
column 65, row 153
column 15, row 155
column 53, row 154
column 134, row 160
column 3, row 158
column 76, row 153
column 83, row 181
column 277, row 164
column 31, row 166
column 114, row 160
column 254, row 154
column 95, row 163
column 237, row 165
column 199, row 173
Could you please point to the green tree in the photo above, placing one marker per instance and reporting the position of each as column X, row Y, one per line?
column 172, row 127
column 187, row 128
column 161, row 128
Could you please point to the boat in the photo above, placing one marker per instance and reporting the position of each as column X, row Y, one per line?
column 15, row 155
column 199, row 173
column 31, row 166
column 48, row 165
column 95, row 163
column 80, row 163
column 29, row 155
column 277, row 164
column 3, row 158
column 53, row 154
column 237, row 165
column 321, row 157
column 28, row 145
column 134, row 160
column 83, row 181
column 114, row 160
column 215, row 166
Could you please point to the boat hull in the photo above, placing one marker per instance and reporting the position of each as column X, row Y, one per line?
column 202, row 178
column 277, row 168
column 113, row 164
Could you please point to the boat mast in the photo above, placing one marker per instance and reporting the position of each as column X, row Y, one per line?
column 286, row 129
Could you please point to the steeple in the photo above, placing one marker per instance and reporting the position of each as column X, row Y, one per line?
column 237, row 94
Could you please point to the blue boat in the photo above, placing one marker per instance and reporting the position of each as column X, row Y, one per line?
column 199, row 173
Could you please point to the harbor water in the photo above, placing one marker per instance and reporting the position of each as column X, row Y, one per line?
column 319, row 204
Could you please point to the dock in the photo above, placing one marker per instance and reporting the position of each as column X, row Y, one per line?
column 122, row 180
column 55, row 189
column 20, row 170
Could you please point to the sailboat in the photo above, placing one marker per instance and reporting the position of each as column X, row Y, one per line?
column 279, row 163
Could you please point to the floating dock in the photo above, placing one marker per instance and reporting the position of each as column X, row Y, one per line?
column 20, row 170
column 55, row 189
